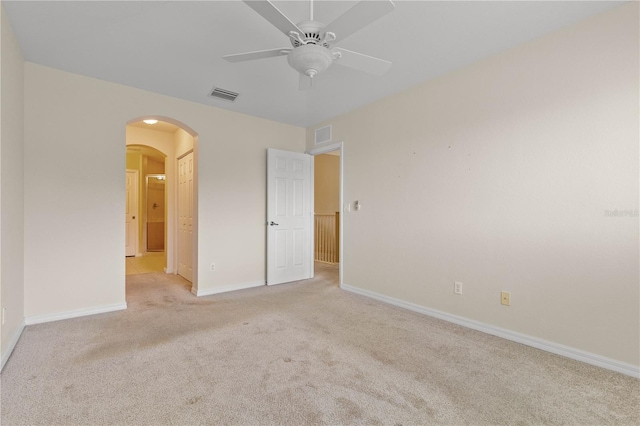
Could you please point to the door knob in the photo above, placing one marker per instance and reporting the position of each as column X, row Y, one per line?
column 272, row 223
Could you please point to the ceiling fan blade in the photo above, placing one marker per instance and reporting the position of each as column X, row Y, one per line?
column 305, row 83
column 271, row 13
column 259, row 54
column 358, row 17
column 361, row 62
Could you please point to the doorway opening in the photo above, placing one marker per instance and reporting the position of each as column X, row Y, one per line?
column 155, row 148
column 146, row 213
column 155, row 217
column 328, row 223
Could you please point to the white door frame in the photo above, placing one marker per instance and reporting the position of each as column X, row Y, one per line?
column 337, row 146
column 137, row 212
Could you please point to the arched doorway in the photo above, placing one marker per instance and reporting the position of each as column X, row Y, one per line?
column 175, row 142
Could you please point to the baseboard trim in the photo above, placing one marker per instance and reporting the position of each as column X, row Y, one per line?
column 38, row 319
column 227, row 288
column 555, row 348
column 12, row 344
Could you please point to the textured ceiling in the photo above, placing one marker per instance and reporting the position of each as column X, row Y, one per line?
column 175, row 47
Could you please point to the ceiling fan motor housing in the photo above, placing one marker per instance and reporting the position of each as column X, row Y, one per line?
column 311, row 34
column 310, row 59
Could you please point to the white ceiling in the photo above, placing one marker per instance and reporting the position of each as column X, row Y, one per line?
column 160, row 126
column 175, row 47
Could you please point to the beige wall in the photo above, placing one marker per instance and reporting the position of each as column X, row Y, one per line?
column 134, row 161
column 327, row 184
column 183, row 141
column 501, row 176
column 70, row 119
column 11, row 188
column 161, row 141
column 154, row 166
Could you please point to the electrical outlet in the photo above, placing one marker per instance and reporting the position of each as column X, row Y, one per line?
column 212, row 267
column 505, row 298
column 457, row 287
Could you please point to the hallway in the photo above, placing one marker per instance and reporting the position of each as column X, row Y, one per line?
column 327, row 272
column 149, row 262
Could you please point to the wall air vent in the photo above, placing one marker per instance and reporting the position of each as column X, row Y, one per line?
column 227, row 95
column 323, row 134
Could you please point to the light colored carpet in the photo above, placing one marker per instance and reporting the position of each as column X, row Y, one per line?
column 300, row 353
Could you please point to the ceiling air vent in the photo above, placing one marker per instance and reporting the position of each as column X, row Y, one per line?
column 323, row 134
column 227, row 95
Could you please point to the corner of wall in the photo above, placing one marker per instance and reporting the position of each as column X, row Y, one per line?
column 11, row 188
column 13, row 341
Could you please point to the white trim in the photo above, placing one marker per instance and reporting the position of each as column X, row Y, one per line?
column 12, row 344
column 312, row 218
column 342, row 218
column 38, row 319
column 137, row 212
column 227, row 288
column 545, row 345
column 185, row 154
column 337, row 146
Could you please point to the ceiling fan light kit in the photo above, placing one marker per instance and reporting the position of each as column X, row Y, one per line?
column 310, row 59
column 311, row 40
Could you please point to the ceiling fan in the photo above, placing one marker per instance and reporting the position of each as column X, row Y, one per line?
column 311, row 41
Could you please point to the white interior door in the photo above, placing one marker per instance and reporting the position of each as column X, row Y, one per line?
column 289, row 216
column 185, row 216
column 131, row 213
